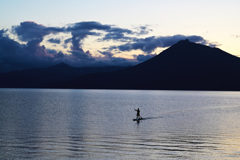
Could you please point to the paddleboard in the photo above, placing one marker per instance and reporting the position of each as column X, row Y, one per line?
column 137, row 119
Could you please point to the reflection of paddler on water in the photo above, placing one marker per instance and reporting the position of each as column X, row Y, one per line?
column 138, row 114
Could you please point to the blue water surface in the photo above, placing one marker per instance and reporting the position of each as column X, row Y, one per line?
column 97, row 124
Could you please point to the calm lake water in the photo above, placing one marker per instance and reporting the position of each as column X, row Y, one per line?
column 97, row 124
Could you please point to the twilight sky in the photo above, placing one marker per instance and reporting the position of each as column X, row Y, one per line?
column 37, row 33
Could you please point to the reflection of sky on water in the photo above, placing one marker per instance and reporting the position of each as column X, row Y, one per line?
column 90, row 124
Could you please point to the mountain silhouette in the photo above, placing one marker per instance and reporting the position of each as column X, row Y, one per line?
column 183, row 66
column 41, row 77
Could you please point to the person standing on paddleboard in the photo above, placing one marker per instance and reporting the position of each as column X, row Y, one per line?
column 138, row 113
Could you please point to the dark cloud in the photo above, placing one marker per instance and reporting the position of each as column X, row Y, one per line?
column 118, row 61
column 124, row 35
column 213, row 44
column 81, row 59
column 54, row 40
column 82, row 56
column 109, row 59
column 3, row 33
column 116, row 37
column 67, row 40
column 28, row 31
column 78, row 36
column 142, row 30
column 16, row 56
column 149, row 44
column 81, row 30
column 118, row 34
column 142, row 58
column 88, row 26
column 106, row 53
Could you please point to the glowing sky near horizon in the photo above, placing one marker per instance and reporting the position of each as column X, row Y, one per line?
column 217, row 21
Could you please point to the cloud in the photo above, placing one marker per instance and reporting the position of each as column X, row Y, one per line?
column 149, row 44
column 28, row 31
column 31, row 54
column 142, row 58
column 83, row 59
column 109, row 59
column 15, row 56
column 213, row 44
column 143, row 30
column 88, row 26
column 54, row 40
column 81, row 30
column 78, row 36
column 2, row 32
column 67, row 40
column 82, row 56
column 118, row 34
column 106, row 53
column 124, row 35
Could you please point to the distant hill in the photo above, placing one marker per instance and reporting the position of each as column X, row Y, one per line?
column 184, row 66
column 41, row 77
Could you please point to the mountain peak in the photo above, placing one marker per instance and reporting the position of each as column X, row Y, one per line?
column 183, row 66
column 189, row 54
column 184, row 41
